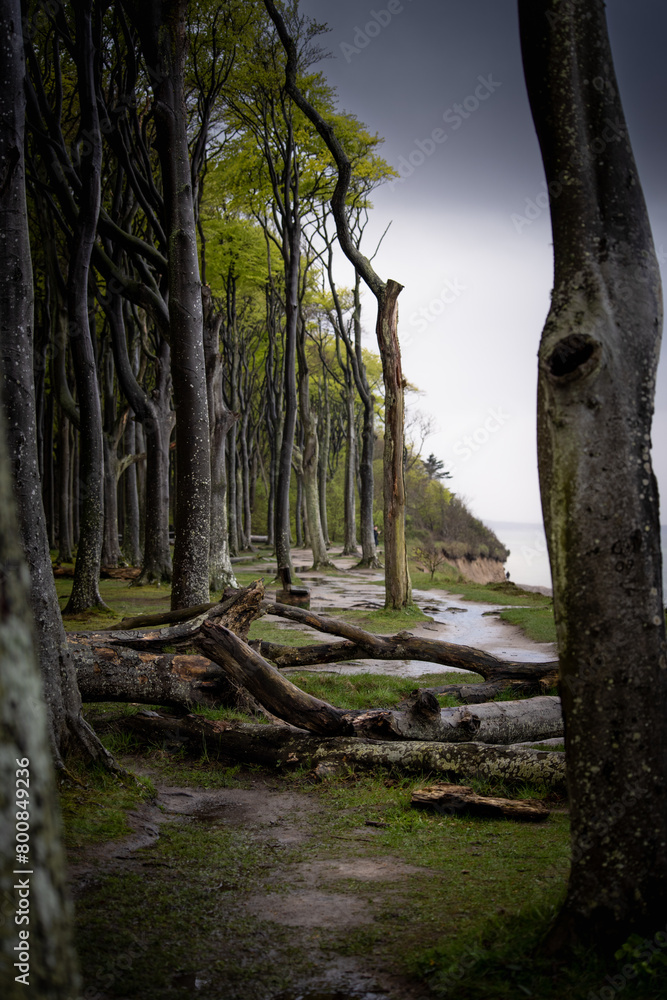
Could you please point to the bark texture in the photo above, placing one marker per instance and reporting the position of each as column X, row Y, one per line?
column 161, row 27
column 85, row 587
column 281, row 746
column 67, row 728
column 24, row 725
column 597, row 364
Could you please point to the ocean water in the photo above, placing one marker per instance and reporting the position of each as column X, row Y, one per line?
column 529, row 562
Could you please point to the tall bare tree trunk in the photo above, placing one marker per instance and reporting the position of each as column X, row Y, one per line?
column 67, row 727
column 398, row 590
column 85, row 587
column 161, row 26
column 597, row 365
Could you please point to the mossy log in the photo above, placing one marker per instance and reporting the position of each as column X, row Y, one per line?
column 284, row 747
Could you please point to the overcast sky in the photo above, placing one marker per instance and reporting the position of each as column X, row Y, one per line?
column 470, row 239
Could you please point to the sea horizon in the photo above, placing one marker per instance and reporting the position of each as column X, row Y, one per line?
column 528, row 562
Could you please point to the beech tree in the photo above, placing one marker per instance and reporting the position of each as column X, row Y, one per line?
column 398, row 590
column 161, row 27
column 597, row 365
column 67, row 727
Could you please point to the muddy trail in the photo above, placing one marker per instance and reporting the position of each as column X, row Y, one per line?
column 286, row 927
column 240, row 884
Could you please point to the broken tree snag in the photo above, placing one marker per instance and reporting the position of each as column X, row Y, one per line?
column 264, row 682
column 113, row 673
column 402, row 646
column 285, row 747
column 500, row 722
column 456, row 800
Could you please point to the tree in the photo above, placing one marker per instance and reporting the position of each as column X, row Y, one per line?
column 597, row 363
column 47, row 961
column 67, row 727
column 397, row 577
column 435, row 468
column 161, row 27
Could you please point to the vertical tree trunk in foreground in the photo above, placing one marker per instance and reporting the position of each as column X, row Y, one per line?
column 597, row 364
column 161, row 25
column 46, row 964
column 67, row 728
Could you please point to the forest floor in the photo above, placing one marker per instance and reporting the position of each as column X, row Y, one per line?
column 228, row 882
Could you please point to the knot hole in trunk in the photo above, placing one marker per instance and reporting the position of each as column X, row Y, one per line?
column 573, row 357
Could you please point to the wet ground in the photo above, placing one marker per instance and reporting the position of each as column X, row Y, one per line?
column 317, row 891
column 467, row 623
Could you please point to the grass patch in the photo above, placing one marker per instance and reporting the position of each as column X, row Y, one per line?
column 506, row 593
column 123, row 600
column 537, row 623
column 97, row 809
column 266, row 629
column 176, row 909
column 360, row 691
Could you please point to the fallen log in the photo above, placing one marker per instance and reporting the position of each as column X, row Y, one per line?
column 360, row 644
column 457, row 800
column 237, row 612
column 108, row 671
column 421, row 718
column 284, row 747
column 114, row 673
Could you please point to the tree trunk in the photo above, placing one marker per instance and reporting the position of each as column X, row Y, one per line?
column 597, row 365
column 162, row 31
column 282, row 747
column 67, row 728
column 131, row 547
column 310, row 459
column 156, row 420
column 85, row 587
column 64, row 499
column 398, row 591
column 111, row 555
column 36, row 941
column 350, row 512
column 221, row 419
column 292, row 256
column 323, row 463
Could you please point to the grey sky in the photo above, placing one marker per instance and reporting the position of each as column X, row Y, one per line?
column 469, row 238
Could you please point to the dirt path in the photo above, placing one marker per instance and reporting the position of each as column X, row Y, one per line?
column 322, row 894
column 286, row 894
